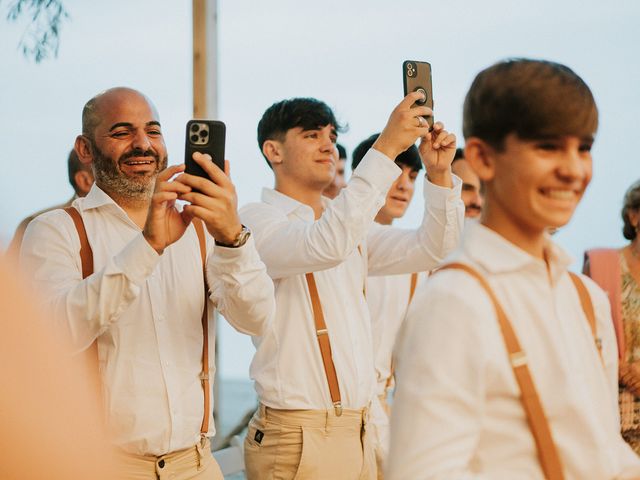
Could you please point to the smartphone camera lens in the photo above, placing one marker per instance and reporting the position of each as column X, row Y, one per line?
column 195, row 127
column 204, row 133
column 411, row 71
column 194, row 138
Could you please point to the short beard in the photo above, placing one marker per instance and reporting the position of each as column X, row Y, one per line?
column 112, row 180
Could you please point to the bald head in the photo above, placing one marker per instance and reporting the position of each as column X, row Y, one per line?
column 94, row 108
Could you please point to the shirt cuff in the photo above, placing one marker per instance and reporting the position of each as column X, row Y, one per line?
column 230, row 259
column 437, row 197
column 138, row 260
column 378, row 170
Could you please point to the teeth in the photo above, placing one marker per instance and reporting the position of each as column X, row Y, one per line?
column 561, row 194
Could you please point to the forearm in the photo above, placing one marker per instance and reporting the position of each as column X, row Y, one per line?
column 295, row 247
column 241, row 288
column 83, row 308
column 396, row 251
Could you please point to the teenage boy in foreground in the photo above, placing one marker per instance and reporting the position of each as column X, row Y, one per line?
column 458, row 412
column 313, row 366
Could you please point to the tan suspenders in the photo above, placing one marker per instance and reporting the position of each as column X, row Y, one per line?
column 86, row 257
column 325, row 345
column 536, row 418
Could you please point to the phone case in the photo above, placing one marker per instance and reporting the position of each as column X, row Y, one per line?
column 417, row 76
column 204, row 136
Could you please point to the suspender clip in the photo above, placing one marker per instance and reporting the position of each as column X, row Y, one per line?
column 203, row 376
column 337, row 406
column 518, row 359
column 322, row 331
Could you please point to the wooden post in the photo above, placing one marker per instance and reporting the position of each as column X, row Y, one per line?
column 205, row 70
column 205, row 105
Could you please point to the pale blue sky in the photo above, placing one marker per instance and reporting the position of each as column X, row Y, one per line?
column 347, row 53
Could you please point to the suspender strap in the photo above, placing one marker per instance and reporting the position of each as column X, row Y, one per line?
column 325, row 344
column 90, row 355
column 86, row 254
column 392, row 367
column 412, row 288
column 204, row 374
column 587, row 307
column 538, row 424
column 86, row 258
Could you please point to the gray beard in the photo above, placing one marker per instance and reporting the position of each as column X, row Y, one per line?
column 110, row 179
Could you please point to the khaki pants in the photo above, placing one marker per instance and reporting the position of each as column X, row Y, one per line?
column 195, row 463
column 308, row 444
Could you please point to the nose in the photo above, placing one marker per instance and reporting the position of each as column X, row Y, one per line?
column 575, row 165
column 404, row 181
column 141, row 140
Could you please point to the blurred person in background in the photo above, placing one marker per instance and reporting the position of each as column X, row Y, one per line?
column 339, row 180
column 80, row 178
column 472, row 195
column 617, row 271
column 388, row 296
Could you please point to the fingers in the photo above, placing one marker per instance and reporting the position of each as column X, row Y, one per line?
column 227, row 168
column 409, row 100
column 444, row 140
column 206, row 162
column 169, row 172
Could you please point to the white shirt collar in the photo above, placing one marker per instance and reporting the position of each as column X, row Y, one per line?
column 497, row 254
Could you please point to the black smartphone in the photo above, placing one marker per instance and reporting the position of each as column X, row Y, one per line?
column 204, row 136
column 416, row 77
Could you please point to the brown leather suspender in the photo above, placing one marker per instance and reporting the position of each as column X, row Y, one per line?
column 90, row 354
column 86, row 258
column 587, row 306
column 392, row 367
column 412, row 288
column 536, row 418
column 204, row 373
column 325, row 344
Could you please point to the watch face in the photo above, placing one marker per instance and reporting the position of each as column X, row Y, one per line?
column 243, row 237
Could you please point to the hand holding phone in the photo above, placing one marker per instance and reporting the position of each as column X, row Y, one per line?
column 204, row 136
column 416, row 77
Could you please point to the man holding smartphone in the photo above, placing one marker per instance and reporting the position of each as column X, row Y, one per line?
column 313, row 366
column 140, row 303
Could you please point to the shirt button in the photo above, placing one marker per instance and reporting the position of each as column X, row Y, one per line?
column 161, row 463
column 160, row 318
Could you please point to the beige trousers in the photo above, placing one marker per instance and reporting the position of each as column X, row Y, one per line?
column 195, row 463
column 308, row 444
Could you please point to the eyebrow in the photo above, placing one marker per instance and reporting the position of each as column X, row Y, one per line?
column 130, row 125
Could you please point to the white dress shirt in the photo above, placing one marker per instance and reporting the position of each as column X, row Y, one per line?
column 287, row 366
column 145, row 311
column 457, row 412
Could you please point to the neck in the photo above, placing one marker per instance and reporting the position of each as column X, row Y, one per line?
column 634, row 246
column 383, row 219
column 136, row 208
column 310, row 197
column 530, row 240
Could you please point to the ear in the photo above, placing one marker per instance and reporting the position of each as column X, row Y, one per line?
column 84, row 150
column 272, row 150
column 84, row 181
column 480, row 156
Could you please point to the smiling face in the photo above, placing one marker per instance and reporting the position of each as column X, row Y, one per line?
column 305, row 159
column 534, row 184
column 399, row 196
column 126, row 146
column 471, row 189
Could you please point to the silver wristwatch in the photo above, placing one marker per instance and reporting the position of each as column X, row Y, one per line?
column 240, row 240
